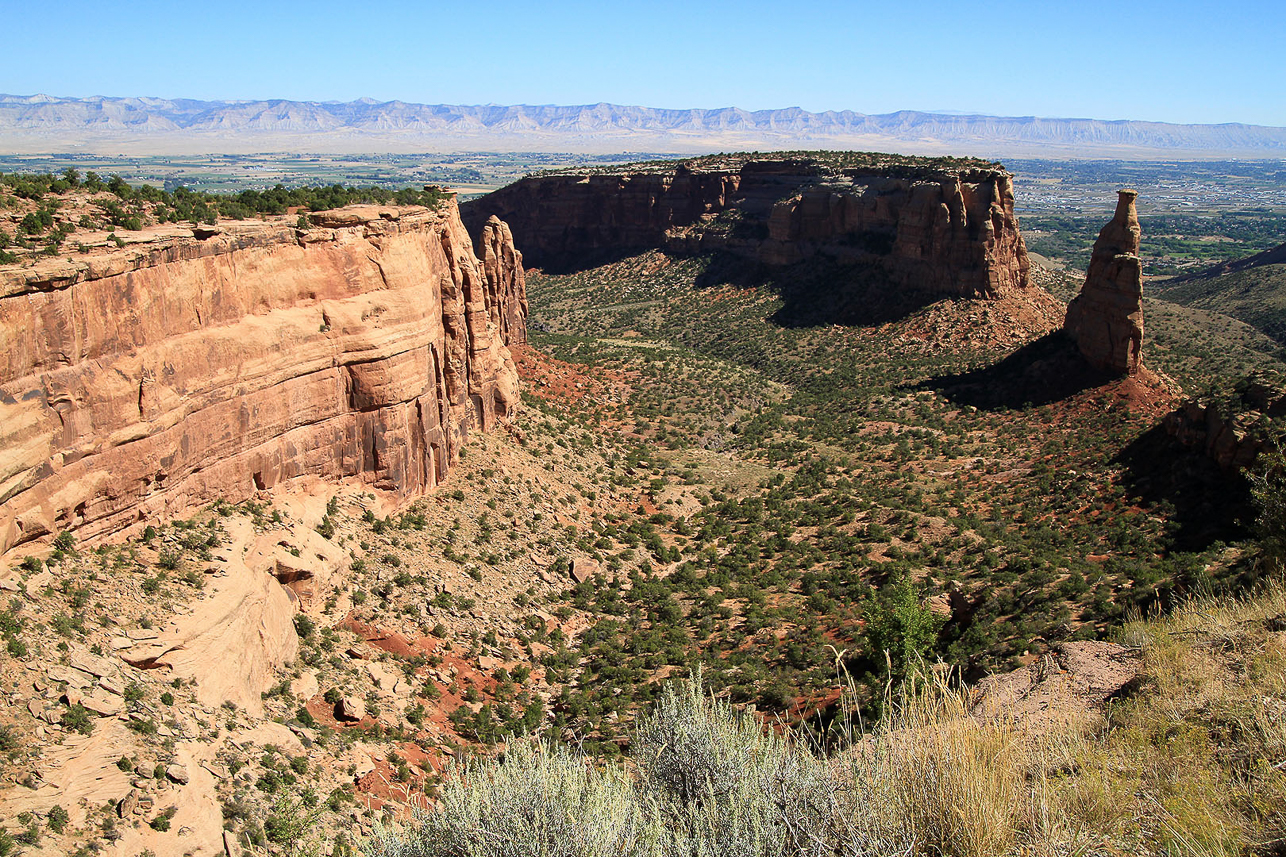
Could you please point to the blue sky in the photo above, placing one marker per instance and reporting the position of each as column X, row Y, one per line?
column 1176, row 61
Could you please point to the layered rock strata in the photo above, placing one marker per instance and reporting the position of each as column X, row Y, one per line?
column 934, row 229
column 142, row 383
column 1106, row 318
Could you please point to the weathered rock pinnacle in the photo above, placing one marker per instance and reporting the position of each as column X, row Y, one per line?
column 1106, row 318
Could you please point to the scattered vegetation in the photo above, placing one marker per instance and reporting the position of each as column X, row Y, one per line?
column 58, row 207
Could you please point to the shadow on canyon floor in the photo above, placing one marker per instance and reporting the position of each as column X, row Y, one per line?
column 580, row 261
column 1208, row 503
column 1042, row 372
column 818, row 292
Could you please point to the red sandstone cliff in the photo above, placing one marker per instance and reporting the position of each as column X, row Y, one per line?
column 143, row 383
column 935, row 229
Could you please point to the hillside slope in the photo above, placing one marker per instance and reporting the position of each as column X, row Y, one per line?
column 1251, row 289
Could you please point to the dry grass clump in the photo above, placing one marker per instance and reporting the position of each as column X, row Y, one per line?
column 1203, row 748
column 934, row 780
column 1194, row 763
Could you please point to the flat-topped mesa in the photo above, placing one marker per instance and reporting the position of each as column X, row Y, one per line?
column 939, row 227
column 1106, row 318
column 142, row 383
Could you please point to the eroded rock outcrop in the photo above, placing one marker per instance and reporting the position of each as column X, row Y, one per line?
column 1106, row 318
column 1064, row 690
column 506, row 281
column 1233, row 430
column 139, row 384
column 935, row 227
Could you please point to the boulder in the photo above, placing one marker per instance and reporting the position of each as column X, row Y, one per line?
column 583, row 569
column 350, row 709
column 1066, row 689
column 70, row 676
column 383, row 677
column 92, row 664
column 305, row 687
column 128, row 805
column 103, row 704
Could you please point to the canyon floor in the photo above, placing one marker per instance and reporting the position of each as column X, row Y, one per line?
column 699, row 475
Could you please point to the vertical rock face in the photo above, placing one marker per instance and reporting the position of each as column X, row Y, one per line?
column 953, row 234
column 1106, row 318
column 934, row 228
column 144, row 383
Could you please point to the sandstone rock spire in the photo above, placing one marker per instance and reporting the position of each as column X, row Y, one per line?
column 1106, row 318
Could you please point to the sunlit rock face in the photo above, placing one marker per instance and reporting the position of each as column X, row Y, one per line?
column 140, row 384
column 1106, row 318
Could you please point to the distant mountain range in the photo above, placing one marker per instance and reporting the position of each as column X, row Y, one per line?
column 129, row 126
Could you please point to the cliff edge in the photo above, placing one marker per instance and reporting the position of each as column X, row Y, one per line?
column 141, row 383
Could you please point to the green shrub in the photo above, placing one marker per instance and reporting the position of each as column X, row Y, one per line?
column 76, row 718
column 304, row 626
column 58, row 818
column 162, row 822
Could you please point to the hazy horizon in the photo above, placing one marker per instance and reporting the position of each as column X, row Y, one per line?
column 659, row 107
column 1177, row 62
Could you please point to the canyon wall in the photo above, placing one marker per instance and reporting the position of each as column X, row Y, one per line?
column 139, row 384
column 935, row 229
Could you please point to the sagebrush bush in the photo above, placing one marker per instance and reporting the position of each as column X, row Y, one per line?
column 540, row 799
column 727, row 786
column 713, row 782
column 1167, row 775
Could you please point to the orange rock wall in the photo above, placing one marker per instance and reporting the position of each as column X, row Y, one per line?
column 949, row 233
column 142, row 384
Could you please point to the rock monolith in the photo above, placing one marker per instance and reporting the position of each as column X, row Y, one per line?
column 1106, row 318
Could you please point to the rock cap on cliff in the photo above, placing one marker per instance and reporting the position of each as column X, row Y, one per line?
column 935, row 227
